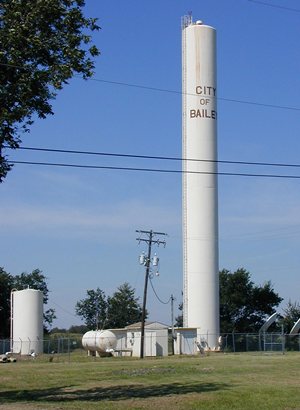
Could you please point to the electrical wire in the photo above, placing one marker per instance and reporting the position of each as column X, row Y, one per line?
column 111, row 154
column 170, row 171
column 165, row 90
column 157, row 297
column 282, row 107
column 277, row 6
column 64, row 310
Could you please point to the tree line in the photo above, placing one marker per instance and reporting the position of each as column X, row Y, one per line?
column 244, row 305
column 117, row 311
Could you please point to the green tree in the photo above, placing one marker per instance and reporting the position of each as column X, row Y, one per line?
column 93, row 309
column 117, row 311
column 291, row 314
column 35, row 280
column 244, row 306
column 123, row 308
column 43, row 44
column 6, row 281
column 179, row 318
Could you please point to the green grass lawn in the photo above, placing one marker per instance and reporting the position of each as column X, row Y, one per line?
column 216, row 381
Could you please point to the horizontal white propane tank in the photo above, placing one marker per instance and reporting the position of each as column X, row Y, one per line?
column 102, row 341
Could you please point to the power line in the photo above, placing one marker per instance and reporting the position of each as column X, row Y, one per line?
column 282, row 107
column 277, row 6
column 64, row 310
column 157, row 297
column 155, row 157
column 167, row 171
column 165, row 90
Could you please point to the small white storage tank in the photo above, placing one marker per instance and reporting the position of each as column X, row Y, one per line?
column 27, row 321
column 102, row 342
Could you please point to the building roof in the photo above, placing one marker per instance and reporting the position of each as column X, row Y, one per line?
column 148, row 325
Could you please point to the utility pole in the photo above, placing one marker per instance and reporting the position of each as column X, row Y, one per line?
column 150, row 238
column 172, row 321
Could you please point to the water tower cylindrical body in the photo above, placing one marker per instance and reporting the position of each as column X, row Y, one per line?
column 27, row 321
column 200, row 188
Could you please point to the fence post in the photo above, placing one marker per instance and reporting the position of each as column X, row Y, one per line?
column 233, row 342
column 69, row 356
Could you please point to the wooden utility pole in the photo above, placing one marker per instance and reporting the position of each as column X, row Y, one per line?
column 172, row 322
column 150, row 238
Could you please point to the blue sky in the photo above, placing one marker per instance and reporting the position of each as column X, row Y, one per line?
column 78, row 225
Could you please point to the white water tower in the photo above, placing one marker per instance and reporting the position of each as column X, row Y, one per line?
column 200, row 188
column 27, row 321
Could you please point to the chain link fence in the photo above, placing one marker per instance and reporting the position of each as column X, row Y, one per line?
column 71, row 347
column 49, row 346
